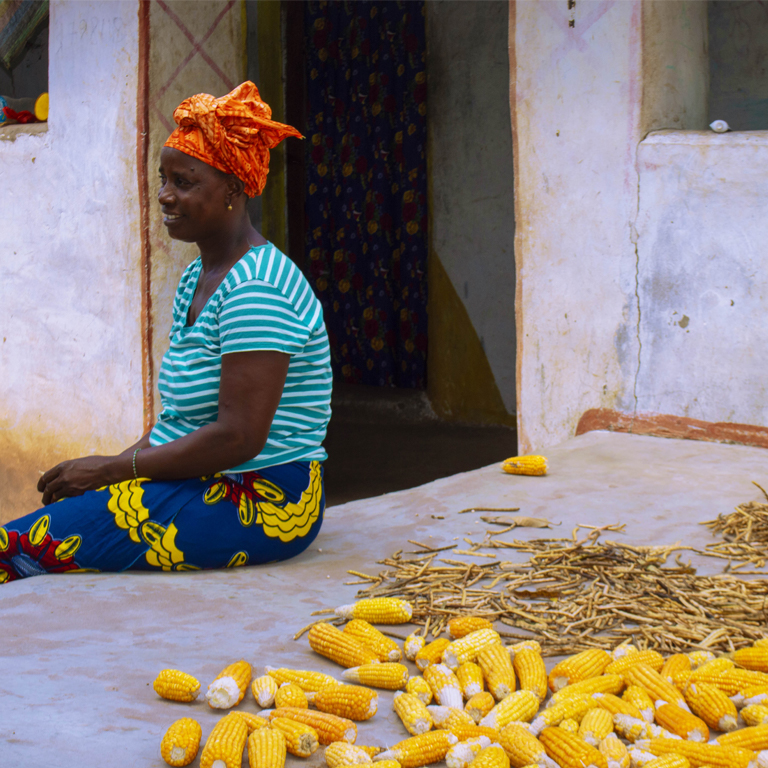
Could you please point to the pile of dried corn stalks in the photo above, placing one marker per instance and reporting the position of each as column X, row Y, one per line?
column 572, row 594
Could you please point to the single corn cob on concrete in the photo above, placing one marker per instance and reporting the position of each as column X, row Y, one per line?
column 755, row 658
column 701, row 754
column 176, row 685
column 531, row 671
column 225, row 744
column 615, row 705
column 574, row 707
column 291, row 695
column 181, row 742
column 572, row 726
column 614, row 751
column 448, row 717
column 266, row 749
column 307, row 680
column 669, row 761
column 378, row 610
column 518, row 706
column 390, row 676
column 526, row 465
column 675, row 665
column 329, row 727
column 253, row 722
column 755, row 738
column 342, row 649
column 683, row 724
column 464, row 625
column 712, row 706
column 496, row 665
column 343, row 753
column 384, row 647
column 569, row 751
column 491, row 757
column 412, row 645
column 418, row 686
column 354, row 702
column 581, row 666
column 431, row 653
column 264, row 689
column 470, row 678
column 413, row 713
column 229, row 687
column 462, row 754
column 522, row 748
column 613, row 684
column 445, row 685
column 431, row 747
column 638, row 696
column 468, row 648
column 755, row 714
column 656, row 686
column 653, row 659
column 699, row 658
column 595, row 726
column 300, row 739
column 479, row 705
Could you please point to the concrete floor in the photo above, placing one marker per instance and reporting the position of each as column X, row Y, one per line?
column 79, row 653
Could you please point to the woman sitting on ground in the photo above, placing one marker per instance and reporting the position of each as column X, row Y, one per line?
column 230, row 474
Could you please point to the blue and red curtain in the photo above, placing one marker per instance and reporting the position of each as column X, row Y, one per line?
column 366, row 201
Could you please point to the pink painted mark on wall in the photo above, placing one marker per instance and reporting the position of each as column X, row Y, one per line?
column 634, row 97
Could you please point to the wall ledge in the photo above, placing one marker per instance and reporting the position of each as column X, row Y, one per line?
column 665, row 425
column 12, row 132
column 707, row 138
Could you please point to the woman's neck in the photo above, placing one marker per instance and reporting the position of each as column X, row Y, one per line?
column 222, row 252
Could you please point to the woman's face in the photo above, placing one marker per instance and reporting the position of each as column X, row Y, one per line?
column 193, row 197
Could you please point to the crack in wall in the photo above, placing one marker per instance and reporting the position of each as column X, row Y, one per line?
column 634, row 237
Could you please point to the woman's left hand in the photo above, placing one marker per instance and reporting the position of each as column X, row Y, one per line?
column 76, row 476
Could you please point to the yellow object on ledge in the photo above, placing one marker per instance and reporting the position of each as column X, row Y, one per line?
column 41, row 107
column 526, row 465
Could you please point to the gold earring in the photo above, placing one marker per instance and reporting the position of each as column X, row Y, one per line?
column 229, row 207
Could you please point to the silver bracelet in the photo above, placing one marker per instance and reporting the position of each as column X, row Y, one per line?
column 135, row 474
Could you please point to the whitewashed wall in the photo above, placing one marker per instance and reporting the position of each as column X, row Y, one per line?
column 70, row 297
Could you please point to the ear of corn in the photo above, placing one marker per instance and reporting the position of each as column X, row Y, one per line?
column 491, row 757
column 714, row 667
column 378, row 610
column 300, row 739
column 389, row 676
column 581, row 666
column 388, row 764
column 369, row 750
column 462, row 754
column 225, row 744
column 343, row 649
column 384, row 647
column 701, row 754
column 573, row 707
column 529, row 645
column 754, row 738
column 291, row 695
column 413, row 713
column 595, row 726
column 412, row 645
column 431, row 747
column 464, row 730
column 729, row 682
column 570, row 751
column 519, row 706
column 444, row 685
column 755, row 714
column 571, row 725
column 418, row 686
column 613, row 684
column 266, row 749
column 624, row 649
column 753, row 695
column 480, row 705
column 614, row 751
column 175, row 685
column 531, row 671
column 635, row 728
column 682, row 723
column 329, row 727
column 616, row 706
column 470, row 678
column 354, row 702
column 669, row 761
column 229, row 687
column 462, row 625
column 526, row 465
column 252, row 722
column 656, row 686
column 431, row 653
column 755, row 658
column 264, row 689
column 468, row 648
column 307, row 680
column 181, row 742
column 638, row 696
column 497, row 669
column 523, row 748
column 449, row 717
column 652, row 659
column 675, row 665
column 341, row 753
column 712, row 706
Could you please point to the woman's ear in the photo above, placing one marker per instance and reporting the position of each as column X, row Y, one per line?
column 235, row 189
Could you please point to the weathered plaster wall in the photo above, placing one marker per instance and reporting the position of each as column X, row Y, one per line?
column 703, row 283
column 472, row 374
column 195, row 47
column 70, row 345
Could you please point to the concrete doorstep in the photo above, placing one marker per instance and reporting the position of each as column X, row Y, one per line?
column 78, row 654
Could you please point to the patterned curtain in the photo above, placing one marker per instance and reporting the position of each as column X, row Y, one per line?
column 367, row 186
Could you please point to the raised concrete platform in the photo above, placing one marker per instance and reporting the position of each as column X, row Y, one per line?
column 78, row 653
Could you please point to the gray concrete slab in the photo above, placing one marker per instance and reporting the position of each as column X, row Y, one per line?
column 78, row 653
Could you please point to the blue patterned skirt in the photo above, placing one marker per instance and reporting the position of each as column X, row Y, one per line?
column 220, row 521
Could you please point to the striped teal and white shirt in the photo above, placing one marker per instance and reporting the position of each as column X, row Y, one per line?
column 264, row 303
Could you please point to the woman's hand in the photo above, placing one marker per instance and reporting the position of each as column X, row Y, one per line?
column 75, row 477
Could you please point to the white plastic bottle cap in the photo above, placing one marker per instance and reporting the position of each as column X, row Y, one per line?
column 719, row 126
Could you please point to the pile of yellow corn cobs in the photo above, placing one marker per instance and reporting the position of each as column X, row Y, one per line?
column 494, row 706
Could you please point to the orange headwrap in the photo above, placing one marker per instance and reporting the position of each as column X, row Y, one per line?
column 233, row 133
